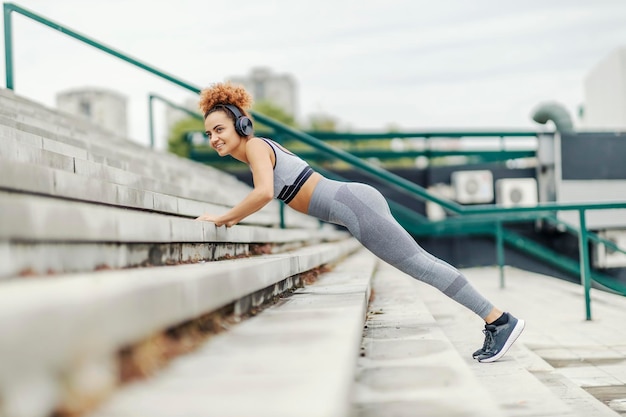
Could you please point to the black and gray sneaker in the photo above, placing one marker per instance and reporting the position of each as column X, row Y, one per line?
column 498, row 339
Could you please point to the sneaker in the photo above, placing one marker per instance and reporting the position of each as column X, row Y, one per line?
column 498, row 339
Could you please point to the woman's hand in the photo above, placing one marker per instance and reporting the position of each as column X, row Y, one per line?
column 215, row 219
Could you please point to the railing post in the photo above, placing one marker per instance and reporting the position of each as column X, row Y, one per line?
column 151, row 120
column 8, row 46
column 500, row 251
column 282, row 215
column 585, row 270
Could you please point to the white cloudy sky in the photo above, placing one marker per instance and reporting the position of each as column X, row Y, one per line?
column 417, row 64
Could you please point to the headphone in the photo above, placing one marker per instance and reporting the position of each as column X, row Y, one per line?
column 243, row 124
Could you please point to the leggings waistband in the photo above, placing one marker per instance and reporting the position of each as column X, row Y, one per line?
column 323, row 194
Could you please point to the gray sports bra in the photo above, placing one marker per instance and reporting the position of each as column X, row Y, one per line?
column 290, row 172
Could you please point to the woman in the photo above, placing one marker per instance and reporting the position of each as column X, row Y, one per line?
column 278, row 173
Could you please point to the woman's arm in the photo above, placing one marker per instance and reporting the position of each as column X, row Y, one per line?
column 258, row 156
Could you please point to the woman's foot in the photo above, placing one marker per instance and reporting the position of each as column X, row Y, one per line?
column 499, row 338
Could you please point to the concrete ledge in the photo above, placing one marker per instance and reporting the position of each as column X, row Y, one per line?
column 31, row 217
column 296, row 358
column 28, row 259
column 31, row 178
column 43, row 235
column 50, row 327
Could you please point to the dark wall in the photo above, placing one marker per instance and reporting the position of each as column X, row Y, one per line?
column 593, row 156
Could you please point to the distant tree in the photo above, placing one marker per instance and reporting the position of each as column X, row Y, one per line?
column 322, row 123
column 177, row 143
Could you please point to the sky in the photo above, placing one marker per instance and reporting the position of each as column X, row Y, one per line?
column 413, row 64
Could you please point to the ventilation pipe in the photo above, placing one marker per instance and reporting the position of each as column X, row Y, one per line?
column 555, row 112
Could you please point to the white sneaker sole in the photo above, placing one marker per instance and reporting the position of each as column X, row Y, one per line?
column 517, row 330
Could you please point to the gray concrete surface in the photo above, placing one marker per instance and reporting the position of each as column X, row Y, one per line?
column 32, row 217
column 56, row 329
column 297, row 358
column 408, row 366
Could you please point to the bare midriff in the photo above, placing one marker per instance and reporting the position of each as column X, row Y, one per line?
column 301, row 201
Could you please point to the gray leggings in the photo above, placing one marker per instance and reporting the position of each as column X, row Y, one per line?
column 365, row 213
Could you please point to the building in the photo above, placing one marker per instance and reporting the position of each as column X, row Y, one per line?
column 264, row 85
column 105, row 108
column 605, row 94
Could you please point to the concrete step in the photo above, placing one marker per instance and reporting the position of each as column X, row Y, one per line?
column 522, row 383
column 408, row 367
column 65, row 333
column 33, row 217
column 42, row 235
column 34, row 177
column 295, row 358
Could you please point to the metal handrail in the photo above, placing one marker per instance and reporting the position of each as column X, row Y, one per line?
column 498, row 213
column 8, row 47
column 429, row 134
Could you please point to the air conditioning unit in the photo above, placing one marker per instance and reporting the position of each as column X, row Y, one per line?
column 473, row 186
column 516, row 192
column 605, row 257
column 434, row 212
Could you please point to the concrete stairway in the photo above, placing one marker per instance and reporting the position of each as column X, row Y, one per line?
column 103, row 267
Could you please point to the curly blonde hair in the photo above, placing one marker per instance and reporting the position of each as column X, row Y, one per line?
column 224, row 93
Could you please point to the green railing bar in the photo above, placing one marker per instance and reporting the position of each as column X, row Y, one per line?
column 585, row 270
column 8, row 46
column 442, row 134
column 500, row 251
column 482, row 209
column 210, row 155
column 10, row 7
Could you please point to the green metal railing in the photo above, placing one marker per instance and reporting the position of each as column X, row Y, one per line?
column 424, row 144
column 8, row 47
column 488, row 214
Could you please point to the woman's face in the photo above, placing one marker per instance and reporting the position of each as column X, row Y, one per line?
column 221, row 132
